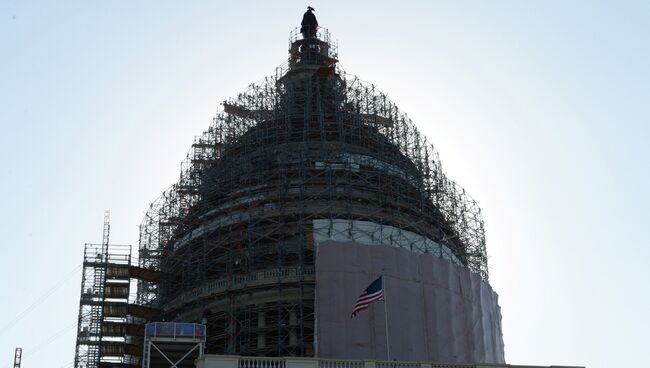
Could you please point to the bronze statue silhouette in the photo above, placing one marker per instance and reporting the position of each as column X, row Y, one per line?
column 309, row 24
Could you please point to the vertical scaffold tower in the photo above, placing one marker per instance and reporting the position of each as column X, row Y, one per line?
column 91, row 304
column 110, row 328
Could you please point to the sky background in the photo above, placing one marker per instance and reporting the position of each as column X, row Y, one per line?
column 540, row 109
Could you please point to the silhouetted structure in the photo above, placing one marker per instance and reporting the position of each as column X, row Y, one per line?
column 304, row 188
column 309, row 24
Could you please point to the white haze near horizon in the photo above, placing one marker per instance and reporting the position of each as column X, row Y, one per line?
column 538, row 108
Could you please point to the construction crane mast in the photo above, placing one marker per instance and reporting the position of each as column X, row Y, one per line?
column 18, row 356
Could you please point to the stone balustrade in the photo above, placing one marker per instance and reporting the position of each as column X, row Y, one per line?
column 235, row 361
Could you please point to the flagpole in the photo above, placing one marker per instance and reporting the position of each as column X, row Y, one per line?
column 386, row 315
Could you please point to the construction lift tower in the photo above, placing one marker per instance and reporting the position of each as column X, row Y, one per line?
column 18, row 356
column 110, row 329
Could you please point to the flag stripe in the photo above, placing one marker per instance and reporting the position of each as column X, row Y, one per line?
column 369, row 296
column 370, row 299
column 372, row 293
column 364, row 305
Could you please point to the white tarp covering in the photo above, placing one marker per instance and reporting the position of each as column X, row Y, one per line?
column 437, row 311
column 370, row 233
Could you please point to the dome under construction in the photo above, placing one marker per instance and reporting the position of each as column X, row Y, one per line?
column 304, row 189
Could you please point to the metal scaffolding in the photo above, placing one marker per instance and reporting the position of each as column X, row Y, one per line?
column 18, row 357
column 235, row 235
column 91, row 304
column 110, row 327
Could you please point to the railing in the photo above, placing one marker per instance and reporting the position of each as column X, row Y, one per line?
column 235, row 361
column 256, row 362
column 329, row 363
column 322, row 34
column 398, row 364
column 113, row 254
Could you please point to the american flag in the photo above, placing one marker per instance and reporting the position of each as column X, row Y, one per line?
column 372, row 293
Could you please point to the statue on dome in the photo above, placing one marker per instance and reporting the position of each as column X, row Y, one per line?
column 309, row 24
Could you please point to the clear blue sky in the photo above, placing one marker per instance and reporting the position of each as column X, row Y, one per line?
column 540, row 109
